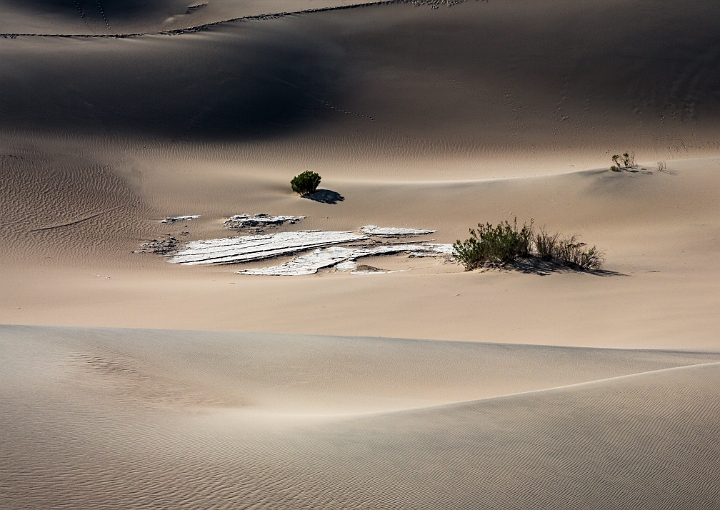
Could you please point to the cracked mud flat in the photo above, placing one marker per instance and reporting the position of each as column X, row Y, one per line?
column 240, row 221
column 260, row 247
column 250, row 248
column 374, row 230
column 329, row 257
column 176, row 219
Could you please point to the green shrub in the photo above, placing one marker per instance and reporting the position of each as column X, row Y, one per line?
column 305, row 183
column 624, row 162
column 489, row 245
column 505, row 244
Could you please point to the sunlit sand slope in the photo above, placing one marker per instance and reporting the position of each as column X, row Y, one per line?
column 67, row 255
column 145, row 419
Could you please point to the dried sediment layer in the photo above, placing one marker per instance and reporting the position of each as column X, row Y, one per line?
column 328, row 257
column 259, row 220
column 250, row 248
column 175, row 219
column 374, row 230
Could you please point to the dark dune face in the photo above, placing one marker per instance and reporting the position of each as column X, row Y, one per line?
column 111, row 9
column 231, row 82
column 477, row 70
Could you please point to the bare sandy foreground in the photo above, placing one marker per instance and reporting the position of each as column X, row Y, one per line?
column 101, row 418
column 432, row 387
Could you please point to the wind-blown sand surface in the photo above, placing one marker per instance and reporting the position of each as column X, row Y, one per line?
column 143, row 419
column 572, row 389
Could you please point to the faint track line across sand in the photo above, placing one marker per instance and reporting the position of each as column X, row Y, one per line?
column 74, row 222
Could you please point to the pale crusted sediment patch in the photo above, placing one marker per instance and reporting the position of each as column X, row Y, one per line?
column 374, row 230
column 259, row 220
column 258, row 247
column 175, row 219
column 335, row 255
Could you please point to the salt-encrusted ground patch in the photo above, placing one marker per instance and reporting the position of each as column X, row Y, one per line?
column 240, row 221
column 344, row 258
column 374, row 230
column 258, row 247
column 163, row 246
column 175, row 219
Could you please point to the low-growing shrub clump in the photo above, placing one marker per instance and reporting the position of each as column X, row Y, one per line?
column 546, row 244
column 575, row 255
column 499, row 245
column 624, row 162
column 305, row 183
column 503, row 245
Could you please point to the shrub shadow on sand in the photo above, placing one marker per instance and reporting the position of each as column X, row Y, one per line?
column 538, row 266
column 325, row 196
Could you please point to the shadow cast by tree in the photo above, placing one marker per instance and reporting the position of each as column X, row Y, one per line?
column 325, row 196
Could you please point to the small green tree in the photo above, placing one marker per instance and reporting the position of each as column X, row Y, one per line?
column 624, row 162
column 305, row 183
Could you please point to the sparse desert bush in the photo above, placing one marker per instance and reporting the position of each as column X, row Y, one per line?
column 494, row 245
column 546, row 244
column 504, row 244
column 305, row 183
column 575, row 255
column 624, row 162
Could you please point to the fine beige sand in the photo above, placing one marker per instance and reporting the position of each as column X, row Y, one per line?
column 165, row 419
column 130, row 382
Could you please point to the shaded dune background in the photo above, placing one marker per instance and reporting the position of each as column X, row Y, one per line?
column 121, row 17
column 476, row 76
column 96, row 418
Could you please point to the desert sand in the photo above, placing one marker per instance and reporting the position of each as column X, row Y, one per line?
column 131, row 382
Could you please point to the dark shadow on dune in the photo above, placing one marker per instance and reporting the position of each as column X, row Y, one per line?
column 266, row 79
column 111, row 9
column 540, row 267
column 325, row 196
column 232, row 82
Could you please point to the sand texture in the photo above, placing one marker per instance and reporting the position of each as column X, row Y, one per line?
column 148, row 419
column 327, row 351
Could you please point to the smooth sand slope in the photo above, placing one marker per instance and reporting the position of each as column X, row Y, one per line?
column 569, row 390
column 159, row 419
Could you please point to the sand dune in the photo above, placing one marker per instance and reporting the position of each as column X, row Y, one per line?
column 112, row 18
column 157, row 419
column 661, row 289
column 475, row 79
column 569, row 389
